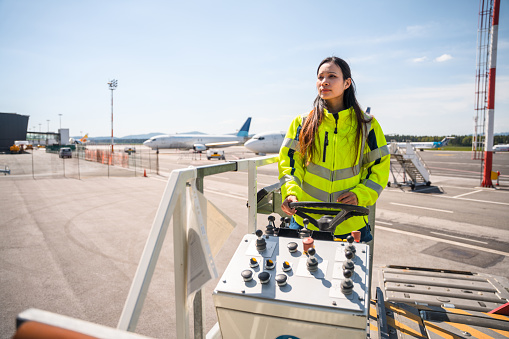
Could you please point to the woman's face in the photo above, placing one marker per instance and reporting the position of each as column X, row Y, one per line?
column 331, row 85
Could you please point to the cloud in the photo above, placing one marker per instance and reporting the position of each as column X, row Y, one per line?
column 443, row 57
column 421, row 59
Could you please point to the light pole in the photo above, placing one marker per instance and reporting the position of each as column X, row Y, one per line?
column 48, row 125
column 60, row 117
column 113, row 86
column 47, row 134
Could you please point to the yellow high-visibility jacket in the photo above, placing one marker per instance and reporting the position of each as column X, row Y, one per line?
column 332, row 171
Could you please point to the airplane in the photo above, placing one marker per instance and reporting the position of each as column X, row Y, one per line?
column 501, row 148
column 83, row 140
column 199, row 142
column 426, row 145
column 266, row 142
column 270, row 142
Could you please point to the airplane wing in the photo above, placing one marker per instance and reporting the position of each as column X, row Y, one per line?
column 223, row 144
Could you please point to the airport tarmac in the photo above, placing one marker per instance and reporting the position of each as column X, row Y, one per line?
column 72, row 246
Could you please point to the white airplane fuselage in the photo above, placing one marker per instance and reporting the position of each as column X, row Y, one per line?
column 267, row 142
column 200, row 142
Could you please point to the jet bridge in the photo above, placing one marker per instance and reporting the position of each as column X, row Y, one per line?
column 407, row 166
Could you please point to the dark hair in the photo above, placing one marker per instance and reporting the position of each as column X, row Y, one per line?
column 308, row 147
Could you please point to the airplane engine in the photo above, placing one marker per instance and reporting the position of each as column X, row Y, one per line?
column 199, row 147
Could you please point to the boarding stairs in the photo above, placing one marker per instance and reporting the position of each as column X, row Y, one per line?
column 407, row 166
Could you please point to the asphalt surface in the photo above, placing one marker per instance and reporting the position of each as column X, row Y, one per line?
column 72, row 246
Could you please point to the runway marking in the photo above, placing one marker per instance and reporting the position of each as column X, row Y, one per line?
column 452, row 169
column 476, row 200
column 382, row 222
column 479, row 248
column 455, row 197
column 226, row 194
column 424, row 208
column 453, row 236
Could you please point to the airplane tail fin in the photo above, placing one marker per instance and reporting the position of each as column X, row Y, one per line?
column 244, row 130
column 445, row 141
column 85, row 138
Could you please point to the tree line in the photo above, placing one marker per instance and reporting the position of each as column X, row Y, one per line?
column 459, row 140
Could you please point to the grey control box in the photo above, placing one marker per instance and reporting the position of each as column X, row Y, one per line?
column 315, row 297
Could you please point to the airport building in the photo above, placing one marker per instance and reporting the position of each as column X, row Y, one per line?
column 13, row 127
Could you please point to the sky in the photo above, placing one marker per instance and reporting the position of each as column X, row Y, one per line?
column 208, row 65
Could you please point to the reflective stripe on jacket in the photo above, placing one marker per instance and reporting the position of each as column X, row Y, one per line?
column 332, row 171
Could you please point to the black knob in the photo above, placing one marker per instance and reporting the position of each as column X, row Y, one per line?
column 347, row 273
column 287, row 220
column 281, row 279
column 350, row 239
column 311, row 251
column 348, row 254
column 292, row 247
column 253, row 262
column 247, row 275
column 271, row 218
column 306, row 222
column 259, row 233
column 269, row 264
column 264, row 277
column 286, row 266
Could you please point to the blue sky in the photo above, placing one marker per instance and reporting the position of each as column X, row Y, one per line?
column 208, row 65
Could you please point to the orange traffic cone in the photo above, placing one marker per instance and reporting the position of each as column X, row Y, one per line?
column 145, row 173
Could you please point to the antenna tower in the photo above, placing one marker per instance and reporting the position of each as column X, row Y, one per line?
column 487, row 37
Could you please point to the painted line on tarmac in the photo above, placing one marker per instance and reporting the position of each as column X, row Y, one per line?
column 476, row 200
column 479, row 248
column 383, row 223
column 225, row 194
column 424, row 208
column 461, row 195
column 453, row 236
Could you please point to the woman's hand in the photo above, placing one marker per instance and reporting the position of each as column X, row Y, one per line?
column 348, row 198
column 286, row 208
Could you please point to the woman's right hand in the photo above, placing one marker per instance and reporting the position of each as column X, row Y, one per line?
column 286, row 208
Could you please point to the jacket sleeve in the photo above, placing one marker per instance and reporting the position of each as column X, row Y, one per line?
column 376, row 162
column 291, row 169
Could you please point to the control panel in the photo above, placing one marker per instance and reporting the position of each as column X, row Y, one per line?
column 278, row 276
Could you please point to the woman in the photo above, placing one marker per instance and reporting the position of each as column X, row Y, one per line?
column 336, row 153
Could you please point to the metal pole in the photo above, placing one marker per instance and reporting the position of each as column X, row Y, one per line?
column 111, row 120
column 490, row 123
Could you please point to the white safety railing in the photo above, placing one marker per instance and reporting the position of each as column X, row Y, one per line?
column 173, row 205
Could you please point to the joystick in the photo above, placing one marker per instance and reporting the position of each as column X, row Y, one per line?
column 305, row 232
column 347, row 283
column 312, row 263
column 261, row 245
column 269, row 229
column 287, row 222
column 348, row 264
column 350, row 247
column 282, row 224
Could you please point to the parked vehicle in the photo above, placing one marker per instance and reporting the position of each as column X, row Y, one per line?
column 215, row 153
column 65, row 152
column 130, row 150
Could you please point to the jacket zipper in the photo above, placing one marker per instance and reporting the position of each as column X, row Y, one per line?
column 325, row 144
column 336, row 116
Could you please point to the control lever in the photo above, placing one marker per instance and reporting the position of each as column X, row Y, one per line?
column 350, row 247
column 312, row 263
column 269, row 229
column 305, row 232
column 261, row 245
column 347, row 283
column 348, row 264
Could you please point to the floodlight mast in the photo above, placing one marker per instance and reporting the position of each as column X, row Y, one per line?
column 112, row 86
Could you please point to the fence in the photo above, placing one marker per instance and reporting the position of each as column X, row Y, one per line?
column 86, row 161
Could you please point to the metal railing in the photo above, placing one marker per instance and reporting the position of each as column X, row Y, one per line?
column 173, row 205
